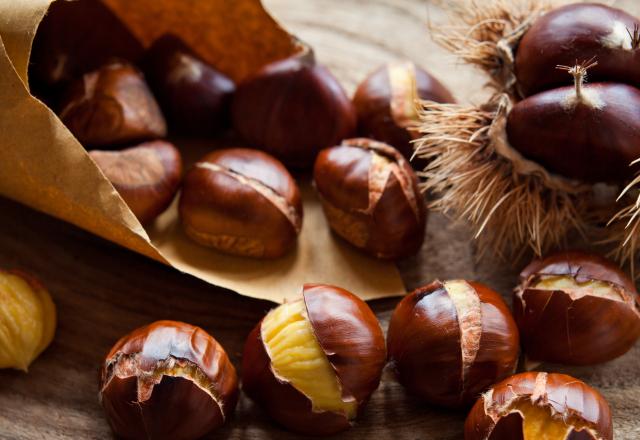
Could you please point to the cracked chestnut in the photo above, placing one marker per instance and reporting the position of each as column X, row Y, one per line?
column 194, row 96
column 370, row 197
column 146, row 176
column 167, row 380
column 386, row 103
column 314, row 362
column 576, row 308
column 540, row 406
column 112, row 106
column 580, row 31
column 292, row 109
column 589, row 132
column 449, row 341
column 242, row 202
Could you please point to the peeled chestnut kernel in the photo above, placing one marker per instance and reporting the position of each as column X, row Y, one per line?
column 111, row 106
column 242, row 202
column 27, row 319
column 73, row 38
column 450, row 341
column 292, row 109
column 540, row 406
column 386, row 103
column 589, row 132
column 371, row 198
column 576, row 308
column 146, row 176
column 313, row 363
column 578, row 31
column 195, row 97
column 167, row 380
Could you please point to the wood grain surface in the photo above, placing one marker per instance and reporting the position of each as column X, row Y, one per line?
column 103, row 291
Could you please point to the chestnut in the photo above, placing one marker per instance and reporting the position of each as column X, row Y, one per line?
column 110, row 106
column 314, row 362
column 387, row 107
column 588, row 132
column 449, row 341
column 579, row 31
column 167, row 380
column 73, row 38
column 540, row 406
column 146, row 176
column 292, row 109
column 576, row 308
column 194, row 97
column 242, row 202
column 370, row 197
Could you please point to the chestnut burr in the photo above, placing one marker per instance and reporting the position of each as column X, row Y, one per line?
column 313, row 363
column 576, row 308
column 449, row 341
column 167, row 380
column 370, row 197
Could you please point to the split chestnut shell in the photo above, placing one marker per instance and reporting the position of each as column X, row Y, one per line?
column 313, row 363
column 450, row 341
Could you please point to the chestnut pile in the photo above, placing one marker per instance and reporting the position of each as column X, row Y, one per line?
column 122, row 101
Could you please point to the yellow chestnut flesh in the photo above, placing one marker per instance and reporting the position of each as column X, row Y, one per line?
column 27, row 320
column 297, row 358
column 539, row 424
column 578, row 289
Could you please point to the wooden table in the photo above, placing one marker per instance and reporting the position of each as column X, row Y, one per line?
column 103, row 291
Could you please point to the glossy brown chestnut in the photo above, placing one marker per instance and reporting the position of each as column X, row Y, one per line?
column 450, row 341
column 195, row 97
column 540, row 406
column 110, row 106
column 576, row 308
column 386, row 103
column 76, row 37
column 167, row 380
column 580, row 31
column 313, row 363
column 292, row 109
column 589, row 132
column 146, row 176
column 242, row 202
column 371, row 198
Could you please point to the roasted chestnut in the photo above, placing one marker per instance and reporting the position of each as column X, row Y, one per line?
column 292, row 109
column 540, row 406
column 387, row 107
column 110, row 106
column 146, row 176
column 578, row 31
column 371, row 198
column 450, row 341
column 195, row 97
column 589, row 132
column 576, row 308
column 167, row 380
column 76, row 37
column 313, row 363
column 242, row 202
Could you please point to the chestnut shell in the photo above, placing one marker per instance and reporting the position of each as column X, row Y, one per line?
column 194, row 96
column 176, row 407
column 146, row 176
column 554, row 327
column 375, row 100
column 576, row 33
column 292, row 109
column 565, row 395
column 236, row 207
column 592, row 140
column 348, row 333
column 424, row 344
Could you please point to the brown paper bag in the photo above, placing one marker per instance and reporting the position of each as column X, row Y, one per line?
column 43, row 166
